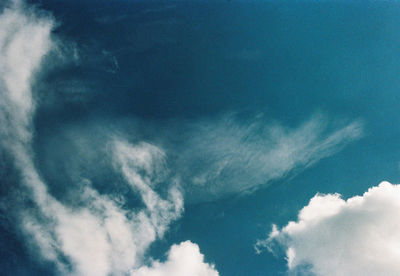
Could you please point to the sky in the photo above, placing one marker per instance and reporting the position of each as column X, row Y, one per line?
column 199, row 138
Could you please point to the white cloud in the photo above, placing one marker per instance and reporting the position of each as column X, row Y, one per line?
column 97, row 236
column 144, row 166
column 101, row 237
column 24, row 41
column 333, row 236
column 184, row 259
column 215, row 157
column 226, row 157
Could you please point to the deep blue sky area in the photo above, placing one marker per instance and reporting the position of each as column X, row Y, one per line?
column 157, row 71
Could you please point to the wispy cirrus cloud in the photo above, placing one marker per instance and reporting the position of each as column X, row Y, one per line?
column 225, row 157
column 219, row 156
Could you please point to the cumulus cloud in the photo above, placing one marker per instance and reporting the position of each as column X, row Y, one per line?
column 333, row 236
column 97, row 235
column 225, row 156
column 183, row 259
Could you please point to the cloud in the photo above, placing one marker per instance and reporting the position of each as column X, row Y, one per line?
column 183, row 259
column 24, row 41
column 333, row 236
column 223, row 157
column 100, row 237
column 96, row 235
column 213, row 158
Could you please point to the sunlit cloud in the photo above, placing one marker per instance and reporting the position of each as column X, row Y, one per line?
column 333, row 236
column 183, row 259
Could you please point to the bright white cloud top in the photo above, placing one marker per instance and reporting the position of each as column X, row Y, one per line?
column 333, row 236
column 183, row 259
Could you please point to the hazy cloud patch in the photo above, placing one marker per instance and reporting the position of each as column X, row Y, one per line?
column 225, row 156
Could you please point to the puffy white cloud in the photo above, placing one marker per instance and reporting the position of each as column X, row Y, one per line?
column 183, row 259
column 226, row 156
column 333, row 236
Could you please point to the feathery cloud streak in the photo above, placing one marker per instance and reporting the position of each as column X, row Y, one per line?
column 227, row 157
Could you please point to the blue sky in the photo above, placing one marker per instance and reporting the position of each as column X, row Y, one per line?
column 199, row 138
